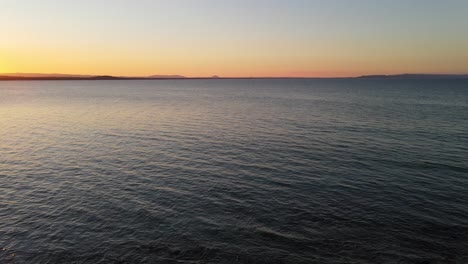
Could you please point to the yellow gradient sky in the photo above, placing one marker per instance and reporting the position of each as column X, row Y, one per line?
column 234, row 38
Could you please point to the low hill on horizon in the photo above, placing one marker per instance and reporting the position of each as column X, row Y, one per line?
column 167, row 76
column 63, row 75
column 45, row 75
column 415, row 76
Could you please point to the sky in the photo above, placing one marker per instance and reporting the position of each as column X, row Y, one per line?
column 237, row 38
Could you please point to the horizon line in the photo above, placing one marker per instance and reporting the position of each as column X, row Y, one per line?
column 25, row 75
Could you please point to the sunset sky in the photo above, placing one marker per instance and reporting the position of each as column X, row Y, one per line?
column 234, row 38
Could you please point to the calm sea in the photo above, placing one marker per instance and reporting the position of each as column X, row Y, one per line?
column 234, row 171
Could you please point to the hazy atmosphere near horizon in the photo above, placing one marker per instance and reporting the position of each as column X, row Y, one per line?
column 233, row 132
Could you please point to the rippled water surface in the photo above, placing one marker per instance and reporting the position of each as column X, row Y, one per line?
column 234, row 171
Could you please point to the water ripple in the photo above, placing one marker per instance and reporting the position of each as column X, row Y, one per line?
column 234, row 171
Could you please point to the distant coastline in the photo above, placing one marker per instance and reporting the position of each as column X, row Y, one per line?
column 415, row 76
column 65, row 77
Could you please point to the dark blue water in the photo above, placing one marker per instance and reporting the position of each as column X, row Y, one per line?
column 234, row 171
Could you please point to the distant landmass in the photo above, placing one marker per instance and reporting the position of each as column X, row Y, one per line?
column 167, row 77
column 45, row 75
column 56, row 76
column 416, row 76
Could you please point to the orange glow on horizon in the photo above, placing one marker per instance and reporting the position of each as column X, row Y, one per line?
column 224, row 62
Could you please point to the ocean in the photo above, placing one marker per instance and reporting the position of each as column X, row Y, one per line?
column 234, row 171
